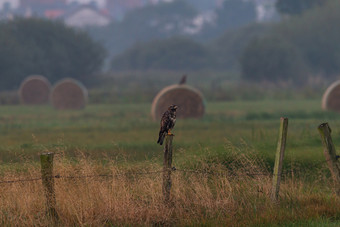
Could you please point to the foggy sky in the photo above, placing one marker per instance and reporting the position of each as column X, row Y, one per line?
column 101, row 3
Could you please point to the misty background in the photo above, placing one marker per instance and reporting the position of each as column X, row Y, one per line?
column 127, row 50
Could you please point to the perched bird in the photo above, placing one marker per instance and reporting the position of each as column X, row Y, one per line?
column 183, row 79
column 167, row 123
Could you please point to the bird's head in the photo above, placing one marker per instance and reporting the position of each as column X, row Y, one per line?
column 173, row 108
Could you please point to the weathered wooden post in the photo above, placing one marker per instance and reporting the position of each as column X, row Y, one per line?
column 46, row 160
column 167, row 168
column 281, row 146
column 330, row 154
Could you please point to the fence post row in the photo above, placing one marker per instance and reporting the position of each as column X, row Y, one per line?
column 281, row 146
column 46, row 160
column 167, row 168
column 330, row 154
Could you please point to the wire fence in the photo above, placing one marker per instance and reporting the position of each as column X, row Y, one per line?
column 206, row 172
column 48, row 176
column 58, row 176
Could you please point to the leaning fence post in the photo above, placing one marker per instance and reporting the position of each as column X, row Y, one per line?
column 46, row 160
column 281, row 146
column 167, row 168
column 330, row 154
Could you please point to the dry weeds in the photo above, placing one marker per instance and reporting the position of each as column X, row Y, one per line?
column 232, row 195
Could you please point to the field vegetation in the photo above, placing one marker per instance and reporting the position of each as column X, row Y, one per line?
column 224, row 163
column 108, row 167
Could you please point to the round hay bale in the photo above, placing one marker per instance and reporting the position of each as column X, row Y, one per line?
column 34, row 90
column 69, row 94
column 188, row 99
column 331, row 97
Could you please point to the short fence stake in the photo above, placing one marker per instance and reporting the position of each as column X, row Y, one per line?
column 167, row 168
column 46, row 160
column 330, row 154
column 281, row 146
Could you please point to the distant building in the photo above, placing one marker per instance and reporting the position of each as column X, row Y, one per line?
column 84, row 16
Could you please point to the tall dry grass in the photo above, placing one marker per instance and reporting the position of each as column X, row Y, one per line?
column 232, row 195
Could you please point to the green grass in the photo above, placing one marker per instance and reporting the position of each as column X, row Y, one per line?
column 128, row 132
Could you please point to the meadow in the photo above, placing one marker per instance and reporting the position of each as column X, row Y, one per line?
column 235, row 139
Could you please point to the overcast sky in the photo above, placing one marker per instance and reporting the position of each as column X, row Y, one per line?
column 15, row 3
column 101, row 3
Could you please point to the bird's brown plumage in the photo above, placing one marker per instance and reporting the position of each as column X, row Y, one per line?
column 183, row 79
column 167, row 123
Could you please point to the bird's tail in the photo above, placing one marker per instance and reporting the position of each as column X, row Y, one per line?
column 161, row 138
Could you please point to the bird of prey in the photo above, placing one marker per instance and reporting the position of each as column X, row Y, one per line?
column 183, row 79
column 167, row 123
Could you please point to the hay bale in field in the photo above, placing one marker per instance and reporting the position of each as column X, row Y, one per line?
column 188, row 99
column 331, row 97
column 69, row 94
column 34, row 90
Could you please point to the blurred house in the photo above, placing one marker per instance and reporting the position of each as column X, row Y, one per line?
column 86, row 15
column 100, row 13
column 73, row 14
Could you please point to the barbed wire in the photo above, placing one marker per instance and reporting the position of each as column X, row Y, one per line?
column 20, row 180
column 173, row 169
column 109, row 175
column 287, row 172
column 229, row 173
column 58, row 176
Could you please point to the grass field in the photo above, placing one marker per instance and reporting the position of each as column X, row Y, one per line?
column 127, row 130
column 237, row 135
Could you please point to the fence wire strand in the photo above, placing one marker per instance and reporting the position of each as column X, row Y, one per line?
column 20, row 180
column 58, row 176
column 173, row 169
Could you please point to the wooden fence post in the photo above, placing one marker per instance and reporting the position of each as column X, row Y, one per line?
column 167, row 168
column 46, row 160
column 281, row 146
column 330, row 154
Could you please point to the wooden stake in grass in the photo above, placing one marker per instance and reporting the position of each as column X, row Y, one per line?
column 330, row 154
column 46, row 160
column 281, row 146
column 167, row 168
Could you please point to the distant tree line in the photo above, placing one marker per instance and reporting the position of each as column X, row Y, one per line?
column 175, row 18
column 182, row 53
column 169, row 54
column 304, row 44
column 295, row 7
column 158, row 21
column 164, row 22
column 37, row 46
column 297, row 48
